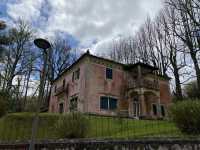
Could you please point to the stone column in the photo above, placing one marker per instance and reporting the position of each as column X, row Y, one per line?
column 159, row 105
column 142, row 104
column 130, row 107
column 141, row 92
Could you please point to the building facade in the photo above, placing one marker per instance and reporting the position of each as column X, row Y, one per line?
column 100, row 86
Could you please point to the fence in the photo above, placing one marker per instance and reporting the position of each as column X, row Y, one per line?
column 18, row 127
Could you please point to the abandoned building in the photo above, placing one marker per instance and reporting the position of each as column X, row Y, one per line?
column 101, row 86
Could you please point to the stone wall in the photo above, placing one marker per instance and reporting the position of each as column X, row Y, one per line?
column 154, row 144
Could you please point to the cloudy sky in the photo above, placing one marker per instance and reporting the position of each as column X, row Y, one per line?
column 85, row 23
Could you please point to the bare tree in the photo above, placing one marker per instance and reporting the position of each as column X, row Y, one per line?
column 174, row 47
column 20, row 37
column 187, row 28
column 59, row 57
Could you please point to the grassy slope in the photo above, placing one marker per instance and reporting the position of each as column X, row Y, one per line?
column 18, row 126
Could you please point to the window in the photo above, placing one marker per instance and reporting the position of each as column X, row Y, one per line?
column 113, row 103
column 63, row 83
column 73, row 76
column 61, row 108
column 108, row 103
column 55, row 88
column 73, row 104
column 162, row 110
column 104, row 102
column 154, row 109
column 109, row 73
column 76, row 74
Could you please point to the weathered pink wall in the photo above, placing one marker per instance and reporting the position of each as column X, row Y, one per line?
column 98, row 86
column 75, row 88
column 165, row 94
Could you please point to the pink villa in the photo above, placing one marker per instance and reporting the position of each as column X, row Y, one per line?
column 96, row 85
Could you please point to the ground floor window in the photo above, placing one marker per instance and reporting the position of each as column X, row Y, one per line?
column 73, row 104
column 61, row 108
column 108, row 103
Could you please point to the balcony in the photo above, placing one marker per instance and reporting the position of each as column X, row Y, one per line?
column 61, row 89
column 148, row 84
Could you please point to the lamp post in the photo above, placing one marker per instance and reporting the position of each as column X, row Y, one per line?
column 44, row 45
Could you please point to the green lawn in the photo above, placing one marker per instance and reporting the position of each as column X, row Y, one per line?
column 18, row 126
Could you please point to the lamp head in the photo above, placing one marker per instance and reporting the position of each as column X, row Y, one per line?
column 42, row 43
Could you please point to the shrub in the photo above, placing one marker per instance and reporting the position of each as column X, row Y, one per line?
column 72, row 125
column 31, row 105
column 3, row 103
column 3, row 108
column 191, row 89
column 186, row 115
column 18, row 126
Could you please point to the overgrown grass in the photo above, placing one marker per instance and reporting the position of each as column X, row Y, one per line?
column 17, row 126
column 106, row 127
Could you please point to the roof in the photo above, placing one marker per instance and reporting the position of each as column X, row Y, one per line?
column 126, row 66
column 130, row 66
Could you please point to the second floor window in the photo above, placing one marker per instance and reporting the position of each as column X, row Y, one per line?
column 109, row 73
column 76, row 74
column 55, row 88
column 64, row 83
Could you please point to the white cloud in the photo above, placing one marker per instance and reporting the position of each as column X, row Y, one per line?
column 27, row 10
column 86, row 20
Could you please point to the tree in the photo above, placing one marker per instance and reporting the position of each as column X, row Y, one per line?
column 16, row 53
column 2, row 37
column 173, row 47
column 187, row 29
column 59, row 57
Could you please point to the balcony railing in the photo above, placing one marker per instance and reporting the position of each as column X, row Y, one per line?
column 61, row 89
column 144, row 83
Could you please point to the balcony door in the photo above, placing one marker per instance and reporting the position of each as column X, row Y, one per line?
column 136, row 108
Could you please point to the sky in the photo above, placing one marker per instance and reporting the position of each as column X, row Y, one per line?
column 86, row 24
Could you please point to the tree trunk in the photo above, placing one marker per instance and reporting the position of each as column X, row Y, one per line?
column 197, row 69
column 179, row 94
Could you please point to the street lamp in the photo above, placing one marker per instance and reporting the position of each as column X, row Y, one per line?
column 44, row 45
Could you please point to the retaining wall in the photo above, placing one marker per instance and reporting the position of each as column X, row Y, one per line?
column 145, row 144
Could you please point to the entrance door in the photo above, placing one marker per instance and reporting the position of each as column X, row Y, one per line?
column 61, row 108
column 136, row 108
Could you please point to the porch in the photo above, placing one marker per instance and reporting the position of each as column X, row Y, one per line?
column 145, row 104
